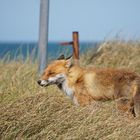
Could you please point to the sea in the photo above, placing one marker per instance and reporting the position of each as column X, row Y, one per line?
column 23, row 50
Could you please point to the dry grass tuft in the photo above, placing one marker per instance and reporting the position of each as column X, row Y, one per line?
column 115, row 54
column 28, row 111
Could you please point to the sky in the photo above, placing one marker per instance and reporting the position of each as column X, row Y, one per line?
column 95, row 20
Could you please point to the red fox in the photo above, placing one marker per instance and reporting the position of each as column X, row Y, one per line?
column 84, row 85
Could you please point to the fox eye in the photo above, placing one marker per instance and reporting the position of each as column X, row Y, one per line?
column 51, row 72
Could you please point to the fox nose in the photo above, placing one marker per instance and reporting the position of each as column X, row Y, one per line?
column 39, row 82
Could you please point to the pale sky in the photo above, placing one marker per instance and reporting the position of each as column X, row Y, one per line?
column 94, row 19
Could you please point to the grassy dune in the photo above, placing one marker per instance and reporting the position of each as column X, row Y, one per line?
column 28, row 111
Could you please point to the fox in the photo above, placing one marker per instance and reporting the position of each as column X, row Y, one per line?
column 83, row 85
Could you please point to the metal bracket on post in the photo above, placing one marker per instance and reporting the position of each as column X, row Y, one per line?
column 75, row 45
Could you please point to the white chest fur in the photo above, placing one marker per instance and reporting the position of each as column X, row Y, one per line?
column 67, row 90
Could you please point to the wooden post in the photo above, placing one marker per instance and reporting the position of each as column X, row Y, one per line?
column 43, row 34
column 75, row 45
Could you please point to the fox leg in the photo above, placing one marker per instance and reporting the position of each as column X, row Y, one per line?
column 81, row 97
column 136, row 98
column 137, row 105
column 131, row 104
column 124, row 104
column 82, row 100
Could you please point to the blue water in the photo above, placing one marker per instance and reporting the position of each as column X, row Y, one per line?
column 23, row 50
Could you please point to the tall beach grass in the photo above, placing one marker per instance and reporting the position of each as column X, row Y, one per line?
column 28, row 111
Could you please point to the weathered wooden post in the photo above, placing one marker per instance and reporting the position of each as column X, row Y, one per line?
column 43, row 34
column 75, row 45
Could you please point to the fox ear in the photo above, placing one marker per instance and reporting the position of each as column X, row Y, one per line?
column 69, row 61
column 61, row 57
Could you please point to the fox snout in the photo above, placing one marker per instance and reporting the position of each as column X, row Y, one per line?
column 57, row 79
column 39, row 82
column 43, row 82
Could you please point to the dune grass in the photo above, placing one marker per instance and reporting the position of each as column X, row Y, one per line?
column 115, row 54
column 28, row 111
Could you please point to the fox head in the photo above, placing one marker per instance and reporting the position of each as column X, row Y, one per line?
column 55, row 72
